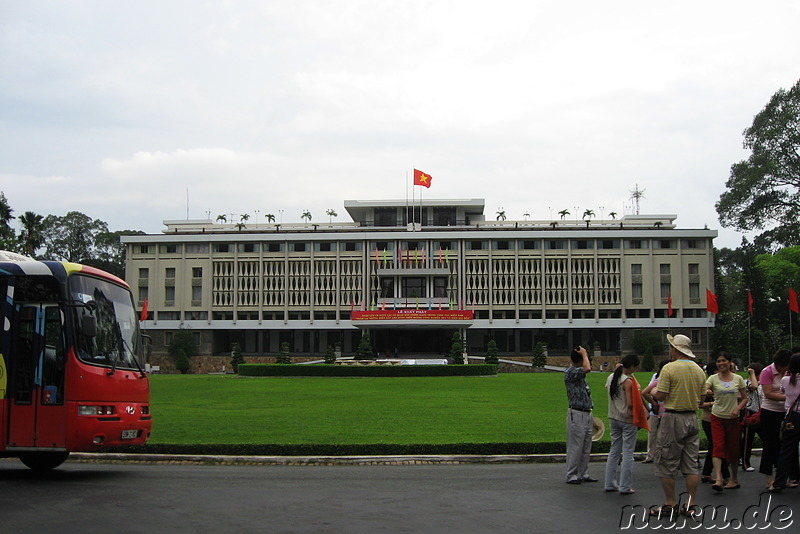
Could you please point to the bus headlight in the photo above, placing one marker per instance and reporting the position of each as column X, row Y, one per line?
column 84, row 409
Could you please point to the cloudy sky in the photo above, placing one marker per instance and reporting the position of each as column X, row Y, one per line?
column 116, row 109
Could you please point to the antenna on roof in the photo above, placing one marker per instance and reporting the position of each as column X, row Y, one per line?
column 637, row 194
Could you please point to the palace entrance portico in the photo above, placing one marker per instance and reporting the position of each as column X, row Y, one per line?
column 408, row 333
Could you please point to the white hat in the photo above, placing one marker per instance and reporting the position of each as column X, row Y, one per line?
column 682, row 344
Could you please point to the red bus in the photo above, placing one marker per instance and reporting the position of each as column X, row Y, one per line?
column 70, row 371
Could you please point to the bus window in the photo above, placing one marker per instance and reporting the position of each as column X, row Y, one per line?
column 116, row 341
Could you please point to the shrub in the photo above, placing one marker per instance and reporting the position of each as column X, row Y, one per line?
column 364, row 350
column 284, row 358
column 330, row 356
column 491, row 352
column 182, row 362
column 457, row 349
column 539, row 358
column 236, row 357
column 181, row 348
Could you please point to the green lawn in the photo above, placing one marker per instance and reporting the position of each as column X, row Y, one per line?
column 509, row 408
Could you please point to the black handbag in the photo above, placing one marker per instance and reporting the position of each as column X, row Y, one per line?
column 787, row 425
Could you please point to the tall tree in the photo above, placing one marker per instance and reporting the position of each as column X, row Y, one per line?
column 32, row 235
column 763, row 191
column 72, row 237
column 109, row 251
column 7, row 234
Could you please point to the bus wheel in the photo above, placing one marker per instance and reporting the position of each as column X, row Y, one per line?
column 43, row 461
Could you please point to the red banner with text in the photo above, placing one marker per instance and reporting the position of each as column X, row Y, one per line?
column 415, row 315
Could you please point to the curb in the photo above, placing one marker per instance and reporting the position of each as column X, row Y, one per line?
column 192, row 459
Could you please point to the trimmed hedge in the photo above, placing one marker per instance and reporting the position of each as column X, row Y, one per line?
column 268, row 369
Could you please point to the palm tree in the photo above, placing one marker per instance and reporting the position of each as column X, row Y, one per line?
column 613, row 215
column 658, row 224
column 331, row 214
column 501, row 214
column 588, row 214
column 5, row 215
column 31, row 234
column 270, row 218
column 526, row 216
column 307, row 216
column 222, row 218
column 554, row 224
column 563, row 213
column 244, row 217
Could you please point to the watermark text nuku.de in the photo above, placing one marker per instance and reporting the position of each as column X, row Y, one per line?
column 764, row 515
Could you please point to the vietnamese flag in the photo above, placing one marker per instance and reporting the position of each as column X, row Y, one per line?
column 749, row 303
column 420, row 178
column 793, row 305
column 711, row 302
column 669, row 305
column 143, row 316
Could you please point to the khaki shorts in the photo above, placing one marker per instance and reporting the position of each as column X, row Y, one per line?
column 677, row 445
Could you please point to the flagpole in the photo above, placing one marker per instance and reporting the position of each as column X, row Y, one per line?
column 406, row 194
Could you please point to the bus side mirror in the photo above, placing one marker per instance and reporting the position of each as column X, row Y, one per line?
column 89, row 325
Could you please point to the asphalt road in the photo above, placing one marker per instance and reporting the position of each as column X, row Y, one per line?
column 168, row 498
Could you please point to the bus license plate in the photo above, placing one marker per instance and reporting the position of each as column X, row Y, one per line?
column 130, row 434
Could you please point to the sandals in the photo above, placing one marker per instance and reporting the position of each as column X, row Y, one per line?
column 717, row 487
column 692, row 511
column 665, row 511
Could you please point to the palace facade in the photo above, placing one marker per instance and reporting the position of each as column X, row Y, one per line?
column 414, row 276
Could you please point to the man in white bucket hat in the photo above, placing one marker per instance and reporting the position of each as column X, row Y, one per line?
column 681, row 386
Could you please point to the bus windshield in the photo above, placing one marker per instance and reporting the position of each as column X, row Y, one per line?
column 117, row 341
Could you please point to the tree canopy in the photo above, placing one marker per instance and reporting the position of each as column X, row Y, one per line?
column 763, row 191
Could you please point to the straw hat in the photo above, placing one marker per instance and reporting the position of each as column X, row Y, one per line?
column 682, row 344
column 598, row 428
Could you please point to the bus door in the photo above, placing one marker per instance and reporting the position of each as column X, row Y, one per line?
column 37, row 416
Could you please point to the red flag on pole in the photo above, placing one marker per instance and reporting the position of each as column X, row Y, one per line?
column 711, row 302
column 420, row 178
column 143, row 316
column 669, row 305
column 749, row 303
column 793, row 305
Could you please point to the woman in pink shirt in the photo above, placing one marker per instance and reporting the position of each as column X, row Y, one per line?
column 787, row 459
column 772, row 411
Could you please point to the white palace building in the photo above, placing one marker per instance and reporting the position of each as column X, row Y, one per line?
column 412, row 277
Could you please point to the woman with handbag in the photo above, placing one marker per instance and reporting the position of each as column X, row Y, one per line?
column 751, row 415
column 790, row 426
column 727, row 387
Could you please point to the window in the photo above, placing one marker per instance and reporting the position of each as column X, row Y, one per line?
column 555, row 244
column 444, row 245
column 664, row 269
column 663, row 243
column 694, row 292
column 387, row 287
column 169, row 272
column 635, row 244
column 636, row 283
column 695, row 335
column 143, row 293
column 169, row 295
column 385, row 217
column 413, row 287
column 197, row 248
column 197, row 294
column 503, row 245
column 169, row 248
column 273, row 247
column 607, row 244
column 665, row 291
column 222, row 247
column 144, row 273
column 352, row 246
column 694, row 244
column 440, row 287
column 325, row 246
column 530, row 245
column 476, row 245
column 582, row 244
column 197, row 272
column 143, row 249
column 248, row 247
column 196, row 316
column 694, row 269
column 298, row 247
